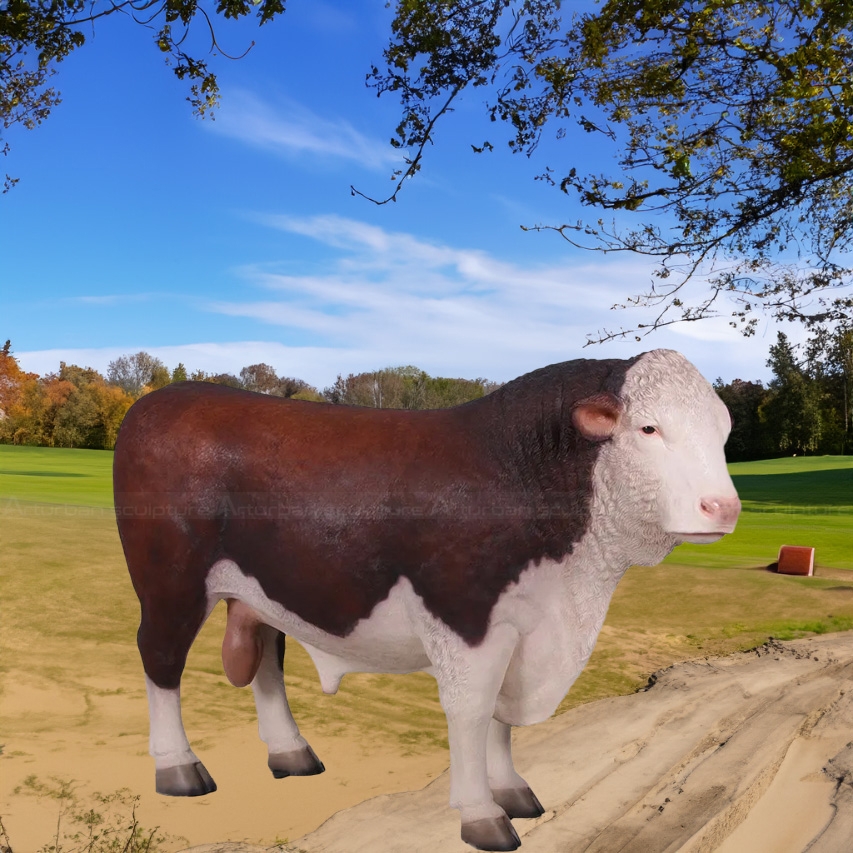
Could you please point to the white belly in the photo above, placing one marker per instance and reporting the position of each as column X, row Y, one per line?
column 387, row 641
column 555, row 609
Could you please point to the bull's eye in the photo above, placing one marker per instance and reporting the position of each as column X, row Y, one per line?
column 649, row 430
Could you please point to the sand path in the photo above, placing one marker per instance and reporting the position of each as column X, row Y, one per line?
column 60, row 743
column 751, row 752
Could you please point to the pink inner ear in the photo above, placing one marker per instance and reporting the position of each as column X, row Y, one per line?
column 596, row 417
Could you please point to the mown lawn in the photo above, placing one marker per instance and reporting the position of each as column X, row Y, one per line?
column 56, row 475
column 791, row 501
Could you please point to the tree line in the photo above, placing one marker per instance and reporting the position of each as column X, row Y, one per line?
column 806, row 409
column 80, row 407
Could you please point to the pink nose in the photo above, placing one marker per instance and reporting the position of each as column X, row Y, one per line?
column 723, row 511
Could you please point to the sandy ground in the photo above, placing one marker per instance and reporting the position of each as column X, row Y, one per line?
column 249, row 806
column 751, row 753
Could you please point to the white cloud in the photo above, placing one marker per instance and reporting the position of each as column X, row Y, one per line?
column 383, row 298
column 109, row 299
column 291, row 129
column 455, row 310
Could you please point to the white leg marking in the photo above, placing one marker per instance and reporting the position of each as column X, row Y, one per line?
column 276, row 726
column 468, row 682
column 502, row 774
column 168, row 742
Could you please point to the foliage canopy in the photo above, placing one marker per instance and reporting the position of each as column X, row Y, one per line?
column 731, row 122
column 36, row 35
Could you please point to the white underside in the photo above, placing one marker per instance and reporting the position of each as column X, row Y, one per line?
column 385, row 642
column 541, row 633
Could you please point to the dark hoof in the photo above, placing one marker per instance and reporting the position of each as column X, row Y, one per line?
column 185, row 780
column 518, row 802
column 491, row 833
column 298, row 762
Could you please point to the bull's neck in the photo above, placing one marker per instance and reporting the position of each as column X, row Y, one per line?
column 542, row 458
column 529, row 427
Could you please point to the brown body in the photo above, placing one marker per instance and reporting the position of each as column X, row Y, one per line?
column 328, row 506
column 480, row 543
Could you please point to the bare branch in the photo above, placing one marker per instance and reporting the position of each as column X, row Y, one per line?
column 414, row 164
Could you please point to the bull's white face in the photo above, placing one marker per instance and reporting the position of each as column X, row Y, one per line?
column 668, row 445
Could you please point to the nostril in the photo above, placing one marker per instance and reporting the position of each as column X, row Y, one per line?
column 724, row 510
column 710, row 507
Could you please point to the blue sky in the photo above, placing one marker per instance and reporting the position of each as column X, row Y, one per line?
column 221, row 243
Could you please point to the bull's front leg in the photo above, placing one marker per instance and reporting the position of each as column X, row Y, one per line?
column 509, row 790
column 468, row 683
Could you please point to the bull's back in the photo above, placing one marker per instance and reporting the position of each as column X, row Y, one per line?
column 194, row 436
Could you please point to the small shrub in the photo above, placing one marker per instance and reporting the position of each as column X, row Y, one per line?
column 104, row 823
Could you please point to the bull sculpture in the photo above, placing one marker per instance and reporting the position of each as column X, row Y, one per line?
column 481, row 544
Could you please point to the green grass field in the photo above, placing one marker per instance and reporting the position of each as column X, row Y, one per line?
column 54, row 475
column 791, row 501
column 59, row 543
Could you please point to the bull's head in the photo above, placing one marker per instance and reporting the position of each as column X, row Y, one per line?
column 665, row 434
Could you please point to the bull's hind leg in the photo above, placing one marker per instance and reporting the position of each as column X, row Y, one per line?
column 253, row 652
column 164, row 638
column 509, row 789
column 289, row 752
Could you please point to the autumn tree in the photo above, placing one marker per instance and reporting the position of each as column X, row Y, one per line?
column 160, row 376
column 16, row 388
column 730, row 121
column 110, row 405
column 228, row 379
column 46, row 402
column 292, row 387
column 86, row 414
column 404, row 388
column 378, row 389
column 259, row 377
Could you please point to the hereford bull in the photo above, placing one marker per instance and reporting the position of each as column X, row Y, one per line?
column 481, row 544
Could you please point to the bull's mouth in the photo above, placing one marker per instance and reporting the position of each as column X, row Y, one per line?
column 701, row 538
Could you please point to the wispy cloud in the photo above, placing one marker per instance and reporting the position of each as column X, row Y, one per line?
column 448, row 308
column 424, row 300
column 109, row 299
column 290, row 129
column 371, row 297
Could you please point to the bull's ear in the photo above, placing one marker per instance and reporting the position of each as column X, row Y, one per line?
column 596, row 417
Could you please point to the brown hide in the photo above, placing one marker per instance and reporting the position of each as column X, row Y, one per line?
column 328, row 506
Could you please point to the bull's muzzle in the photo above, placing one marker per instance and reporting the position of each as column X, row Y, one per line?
column 722, row 512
